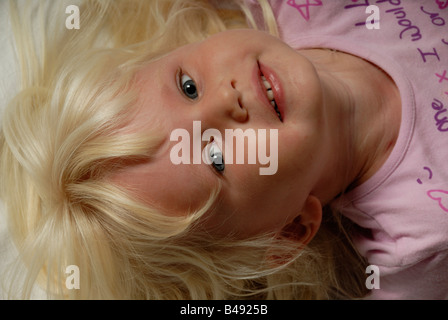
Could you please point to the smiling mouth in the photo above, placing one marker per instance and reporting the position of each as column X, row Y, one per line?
column 270, row 95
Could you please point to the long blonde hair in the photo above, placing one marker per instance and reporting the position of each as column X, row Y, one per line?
column 61, row 136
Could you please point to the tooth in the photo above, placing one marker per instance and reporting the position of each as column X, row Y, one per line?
column 270, row 94
column 273, row 104
column 267, row 85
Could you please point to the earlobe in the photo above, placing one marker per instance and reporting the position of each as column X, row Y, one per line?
column 305, row 226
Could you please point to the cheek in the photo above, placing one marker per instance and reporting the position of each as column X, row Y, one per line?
column 299, row 145
column 254, row 204
column 175, row 190
column 182, row 191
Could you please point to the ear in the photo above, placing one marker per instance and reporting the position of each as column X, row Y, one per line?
column 305, row 226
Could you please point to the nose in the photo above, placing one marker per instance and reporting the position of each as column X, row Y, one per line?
column 224, row 103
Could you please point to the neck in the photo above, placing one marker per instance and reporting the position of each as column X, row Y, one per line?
column 363, row 110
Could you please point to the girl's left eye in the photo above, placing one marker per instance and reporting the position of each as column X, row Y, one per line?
column 216, row 157
column 188, row 87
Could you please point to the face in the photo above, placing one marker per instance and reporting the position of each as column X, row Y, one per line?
column 218, row 82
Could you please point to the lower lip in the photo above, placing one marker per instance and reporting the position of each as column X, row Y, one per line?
column 277, row 87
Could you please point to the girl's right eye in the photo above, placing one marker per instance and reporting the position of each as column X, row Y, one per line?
column 188, row 86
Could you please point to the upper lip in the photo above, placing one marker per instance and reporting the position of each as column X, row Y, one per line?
column 272, row 78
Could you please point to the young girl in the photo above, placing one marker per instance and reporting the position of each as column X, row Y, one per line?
column 87, row 168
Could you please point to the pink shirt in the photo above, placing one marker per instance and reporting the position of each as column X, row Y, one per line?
column 405, row 204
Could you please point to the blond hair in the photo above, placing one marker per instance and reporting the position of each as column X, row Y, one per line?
column 63, row 134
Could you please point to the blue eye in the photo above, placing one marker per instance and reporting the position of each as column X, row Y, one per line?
column 216, row 157
column 188, row 87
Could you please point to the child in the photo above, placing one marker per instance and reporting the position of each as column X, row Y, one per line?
column 89, row 144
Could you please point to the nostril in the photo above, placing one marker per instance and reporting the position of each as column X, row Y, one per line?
column 233, row 84
column 239, row 103
column 240, row 113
